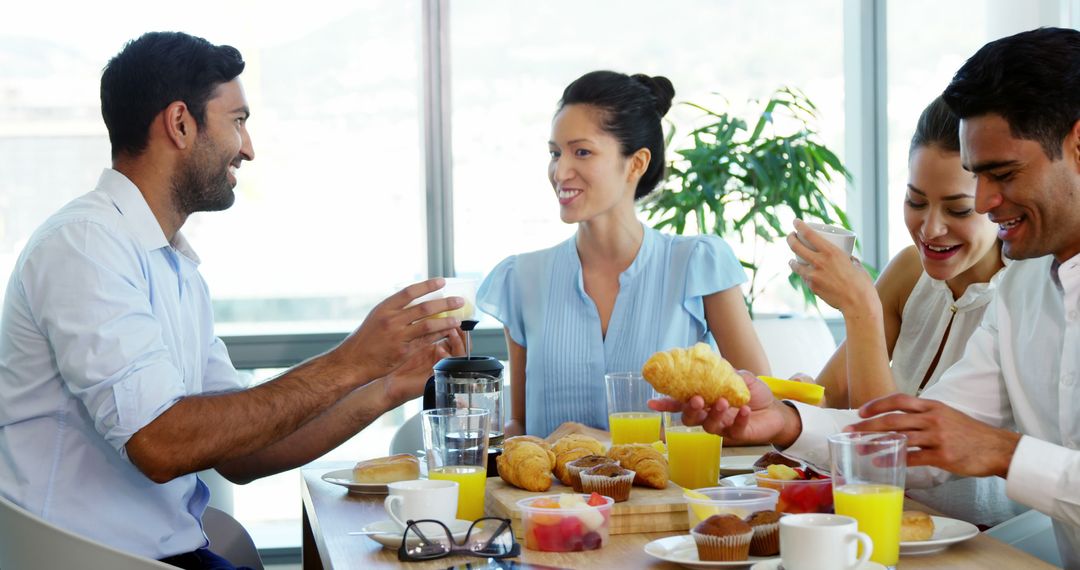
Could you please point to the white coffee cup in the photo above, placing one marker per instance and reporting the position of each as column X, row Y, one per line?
column 815, row 541
column 422, row 499
column 836, row 235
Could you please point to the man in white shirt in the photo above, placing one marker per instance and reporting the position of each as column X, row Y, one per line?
column 1011, row 405
column 114, row 390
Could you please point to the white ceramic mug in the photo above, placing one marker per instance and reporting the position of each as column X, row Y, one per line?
column 422, row 499
column 836, row 235
column 815, row 541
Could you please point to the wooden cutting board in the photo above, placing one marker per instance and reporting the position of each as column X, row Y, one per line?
column 647, row 510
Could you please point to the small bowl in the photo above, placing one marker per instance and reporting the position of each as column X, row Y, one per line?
column 799, row 496
column 738, row 501
column 565, row 530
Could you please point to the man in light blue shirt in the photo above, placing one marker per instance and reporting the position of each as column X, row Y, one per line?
column 114, row 390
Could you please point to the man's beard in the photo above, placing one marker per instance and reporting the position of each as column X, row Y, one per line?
column 201, row 185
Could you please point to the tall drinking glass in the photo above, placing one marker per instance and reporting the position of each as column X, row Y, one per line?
column 868, row 472
column 693, row 453
column 456, row 444
column 629, row 417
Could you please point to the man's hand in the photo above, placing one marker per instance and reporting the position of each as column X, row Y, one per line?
column 946, row 438
column 393, row 330
column 762, row 420
column 408, row 380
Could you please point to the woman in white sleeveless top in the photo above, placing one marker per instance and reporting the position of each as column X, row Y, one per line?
column 925, row 305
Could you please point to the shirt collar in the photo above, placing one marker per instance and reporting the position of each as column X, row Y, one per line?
column 133, row 207
column 1067, row 273
column 140, row 219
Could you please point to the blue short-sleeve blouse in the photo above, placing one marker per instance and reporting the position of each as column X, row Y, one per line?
column 540, row 298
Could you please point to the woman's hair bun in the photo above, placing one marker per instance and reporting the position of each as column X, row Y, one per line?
column 661, row 88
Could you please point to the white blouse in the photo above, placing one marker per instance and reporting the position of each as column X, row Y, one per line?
column 926, row 317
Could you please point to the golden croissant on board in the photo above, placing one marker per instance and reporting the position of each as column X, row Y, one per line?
column 571, row 447
column 650, row 466
column 684, row 372
column 526, row 463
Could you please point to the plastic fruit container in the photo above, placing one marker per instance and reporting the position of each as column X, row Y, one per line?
column 739, row 501
column 553, row 525
column 799, row 495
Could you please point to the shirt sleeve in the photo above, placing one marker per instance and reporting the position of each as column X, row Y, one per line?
column 88, row 295
column 220, row 374
column 500, row 297
column 712, row 267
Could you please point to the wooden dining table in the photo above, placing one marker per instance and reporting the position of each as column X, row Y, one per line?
column 330, row 512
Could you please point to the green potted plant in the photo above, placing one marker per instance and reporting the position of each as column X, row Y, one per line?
column 739, row 183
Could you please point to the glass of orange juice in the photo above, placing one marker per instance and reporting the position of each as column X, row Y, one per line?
column 456, row 445
column 693, row 454
column 629, row 418
column 868, row 471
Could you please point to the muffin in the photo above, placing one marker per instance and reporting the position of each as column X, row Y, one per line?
column 575, row 467
column 766, row 525
column 916, row 526
column 608, row 479
column 723, row 538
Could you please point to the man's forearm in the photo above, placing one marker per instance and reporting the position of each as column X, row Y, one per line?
column 316, row 437
column 201, row 432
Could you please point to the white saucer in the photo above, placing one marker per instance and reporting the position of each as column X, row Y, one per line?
column 946, row 531
column 744, row 480
column 775, row 565
column 682, row 551
column 731, row 465
column 344, row 478
column 392, row 533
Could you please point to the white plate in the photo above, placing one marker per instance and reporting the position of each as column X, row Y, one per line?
column 344, row 478
column 392, row 533
column 775, row 565
column 682, row 551
column 946, row 531
column 730, row 465
column 744, row 480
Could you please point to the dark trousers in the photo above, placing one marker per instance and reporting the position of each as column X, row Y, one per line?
column 201, row 559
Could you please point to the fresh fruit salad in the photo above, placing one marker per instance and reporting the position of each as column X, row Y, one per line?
column 802, row 489
column 566, row 522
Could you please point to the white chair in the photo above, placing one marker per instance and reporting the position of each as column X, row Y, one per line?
column 795, row 343
column 408, row 438
column 27, row 542
column 1032, row 532
column 229, row 539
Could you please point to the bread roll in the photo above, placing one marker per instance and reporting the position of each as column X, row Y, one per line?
column 916, row 526
column 381, row 470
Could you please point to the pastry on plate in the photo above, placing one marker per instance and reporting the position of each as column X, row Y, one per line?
column 382, row 470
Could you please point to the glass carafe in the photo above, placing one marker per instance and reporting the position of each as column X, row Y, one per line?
column 472, row 382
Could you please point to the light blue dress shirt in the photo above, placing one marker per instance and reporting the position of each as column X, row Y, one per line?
column 540, row 298
column 105, row 325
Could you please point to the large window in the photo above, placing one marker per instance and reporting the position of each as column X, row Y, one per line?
column 511, row 61
column 329, row 218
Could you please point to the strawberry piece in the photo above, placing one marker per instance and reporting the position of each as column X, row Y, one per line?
column 596, row 500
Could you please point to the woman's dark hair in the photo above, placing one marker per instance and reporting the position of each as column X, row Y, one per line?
column 938, row 127
column 631, row 107
column 1031, row 79
column 152, row 72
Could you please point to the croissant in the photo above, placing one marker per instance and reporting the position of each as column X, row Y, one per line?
column 571, row 447
column 682, row 373
column 650, row 466
column 526, row 463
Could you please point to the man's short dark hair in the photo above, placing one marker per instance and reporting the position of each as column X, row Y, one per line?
column 1031, row 79
column 154, row 71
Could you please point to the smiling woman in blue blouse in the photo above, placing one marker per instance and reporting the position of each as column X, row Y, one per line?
column 617, row 291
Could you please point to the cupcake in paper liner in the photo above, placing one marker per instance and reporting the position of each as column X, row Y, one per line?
column 575, row 467
column 766, row 525
column 609, row 480
column 723, row 538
